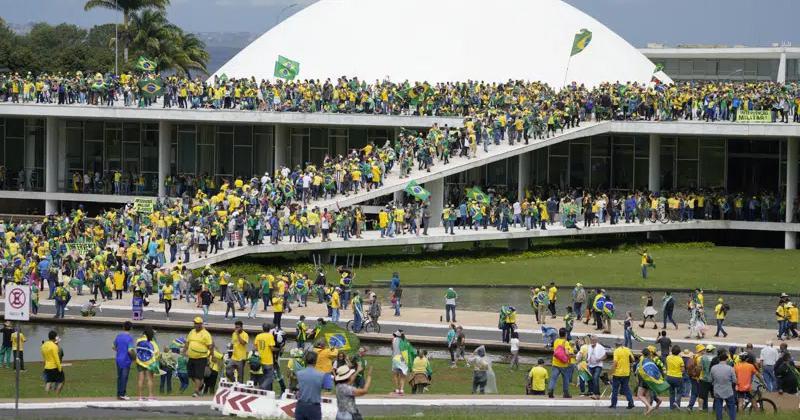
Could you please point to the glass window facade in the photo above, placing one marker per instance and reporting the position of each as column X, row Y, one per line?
column 22, row 154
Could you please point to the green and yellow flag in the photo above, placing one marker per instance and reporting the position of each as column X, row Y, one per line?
column 151, row 88
column 336, row 337
column 582, row 40
column 286, row 68
column 415, row 190
column 145, row 64
column 476, row 194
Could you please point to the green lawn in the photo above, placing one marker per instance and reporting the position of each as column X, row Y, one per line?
column 97, row 378
column 678, row 266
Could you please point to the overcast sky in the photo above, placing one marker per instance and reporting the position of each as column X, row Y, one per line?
column 748, row 22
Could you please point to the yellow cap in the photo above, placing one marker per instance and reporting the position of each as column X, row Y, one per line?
column 198, row 320
column 698, row 348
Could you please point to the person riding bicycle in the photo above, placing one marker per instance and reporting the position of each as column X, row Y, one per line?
column 745, row 371
column 374, row 308
column 358, row 311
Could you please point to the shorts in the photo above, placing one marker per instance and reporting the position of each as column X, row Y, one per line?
column 742, row 395
column 53, row 376
column 704, row 389
column 196, row 368
column 202, row 247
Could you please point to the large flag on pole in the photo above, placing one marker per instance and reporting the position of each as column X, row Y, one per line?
column 415, row 190
column 286, row 68
column 145, row 64
column 338, row 338
column 582, row 40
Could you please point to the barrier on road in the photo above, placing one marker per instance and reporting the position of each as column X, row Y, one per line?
column 246, row 400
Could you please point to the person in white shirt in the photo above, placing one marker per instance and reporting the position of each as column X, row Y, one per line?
column 514, row 343
column 595, row 355
column 767, row 359
column 517, row 214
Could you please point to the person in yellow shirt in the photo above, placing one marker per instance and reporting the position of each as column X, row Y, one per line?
column 335, row 304
column 325, row 357
column 264, row 343
column 552, row 294
column 18, row 338
column 621, row 374
column 563, row 355
column 277, row 308
column 198, row 347
column 721, row 311
column 676, row 368
column 53, row 371
column 239, row 340
column 537, row 379
column 792, row 314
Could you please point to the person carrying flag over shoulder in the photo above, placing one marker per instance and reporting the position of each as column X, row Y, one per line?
column 647, row 261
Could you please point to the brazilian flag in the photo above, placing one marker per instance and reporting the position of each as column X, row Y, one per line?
column 582, row 40
column 286, row 68
column 146, row 64
column 417, row 93
column 415, row 190
column 608, row 309
column 147, row 355
column 652, row 376
column 338, row 338
column 600, row 304
column 476, row 194
column 288, row 190
column 151, row 88
column 328, row 182
column 408, row 351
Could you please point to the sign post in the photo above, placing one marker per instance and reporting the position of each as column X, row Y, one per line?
column 17, row 308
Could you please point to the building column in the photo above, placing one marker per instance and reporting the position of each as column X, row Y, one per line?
column 281, row 145
column 297, row 146
column 790, row 240
column 654, row 179
column 51, row 163
column 164, row 151
column 399, row 197
column 436, row 188
column 782, row 69
column 524, row 175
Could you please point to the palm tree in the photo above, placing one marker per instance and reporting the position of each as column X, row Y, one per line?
column 128, row 7
column 154, row 36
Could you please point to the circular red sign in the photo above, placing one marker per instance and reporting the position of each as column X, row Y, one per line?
column 17, row 298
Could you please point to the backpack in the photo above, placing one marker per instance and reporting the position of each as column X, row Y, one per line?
column 649, row 259
column 560, row 354
column 375, row 310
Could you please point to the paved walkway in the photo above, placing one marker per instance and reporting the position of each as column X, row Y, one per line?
column 425, row 323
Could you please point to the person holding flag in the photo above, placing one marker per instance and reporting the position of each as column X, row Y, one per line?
column 147, row 355
column 651, row 381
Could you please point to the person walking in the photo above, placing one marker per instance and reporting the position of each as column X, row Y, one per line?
column 230, row 302
column 721, row 311
column 239, row 340
column 723, row 379
column 5, row 350
column 563, row 354
column 264, row 344
column 53, row 369
column 123, row 347
column 167, row 291
column 595, row 355
column 621, row 374
column 450, row 298
column 676, row 369
column 199, row 346
column 310, row 383
column 346, row 392
column 667, row 309
column 767, row 359
column 649, row 312
column 578, row 299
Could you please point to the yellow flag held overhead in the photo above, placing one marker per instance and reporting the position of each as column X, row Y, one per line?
column 582, row 40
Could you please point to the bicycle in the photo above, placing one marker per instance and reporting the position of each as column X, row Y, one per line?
column 369, row 326
column 756, row 401
column 660, row 215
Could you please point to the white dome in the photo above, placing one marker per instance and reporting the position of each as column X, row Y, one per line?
column 443, row 40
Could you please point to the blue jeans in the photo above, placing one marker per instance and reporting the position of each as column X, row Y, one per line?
column 577, row 309
column 122, row 380
column 781, row 328
column 60, row 305
column 448, row 309
column 675, row 390
column 335, row 315
column 596, row 371
column 357, row 320
column 695, row 391
column 183, row 378
column 644, row 271
column 628, row 336
column 267, row 378
column 397, row 308
column 769, row 377
column 720, row 329
column 165, row 382
column 730, row 402
column 566, row 378
column 620, row 384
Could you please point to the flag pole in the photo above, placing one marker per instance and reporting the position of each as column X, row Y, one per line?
column 566, row 72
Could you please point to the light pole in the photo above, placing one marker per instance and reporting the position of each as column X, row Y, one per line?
column 116, row 42
column 278, row 17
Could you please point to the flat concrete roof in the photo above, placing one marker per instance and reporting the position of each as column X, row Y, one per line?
column 722, row 53
column 372, row 239
column 221, row 116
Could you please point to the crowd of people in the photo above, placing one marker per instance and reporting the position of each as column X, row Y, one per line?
column 708, row 100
